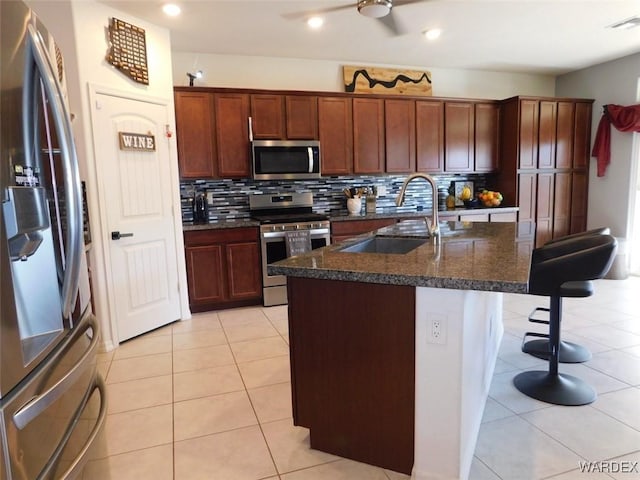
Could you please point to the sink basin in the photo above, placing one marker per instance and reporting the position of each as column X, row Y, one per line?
column 392, row 245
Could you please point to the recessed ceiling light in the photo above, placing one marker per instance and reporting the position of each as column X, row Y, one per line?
column 315, row 22
column 626, row 24
column 171, row 9
column 433, row 33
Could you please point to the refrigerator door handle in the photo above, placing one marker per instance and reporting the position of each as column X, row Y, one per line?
column 71, row 174
column 77, row 465
column 38, row 404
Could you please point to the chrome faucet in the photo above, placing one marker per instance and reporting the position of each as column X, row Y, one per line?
column 432, row 225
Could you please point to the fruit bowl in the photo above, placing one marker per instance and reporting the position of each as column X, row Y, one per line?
column 489, row 198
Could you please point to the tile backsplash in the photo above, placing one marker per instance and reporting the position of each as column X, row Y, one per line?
column 229, row 199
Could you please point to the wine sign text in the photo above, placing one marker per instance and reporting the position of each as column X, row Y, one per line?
column 137, row 141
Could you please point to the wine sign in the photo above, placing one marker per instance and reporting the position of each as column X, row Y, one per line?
column 137, row 141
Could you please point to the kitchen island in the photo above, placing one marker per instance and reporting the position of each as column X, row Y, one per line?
column 392, row 354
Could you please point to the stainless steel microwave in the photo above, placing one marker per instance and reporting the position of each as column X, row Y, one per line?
column 285, row 159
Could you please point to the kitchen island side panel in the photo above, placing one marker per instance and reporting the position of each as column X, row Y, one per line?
column 352, row 348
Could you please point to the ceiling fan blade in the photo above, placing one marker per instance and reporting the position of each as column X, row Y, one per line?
column 391, row 24
column 398, row 3
column 311, row 13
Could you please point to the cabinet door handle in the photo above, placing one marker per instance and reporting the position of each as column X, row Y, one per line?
column 250, row 129
column 117, row 235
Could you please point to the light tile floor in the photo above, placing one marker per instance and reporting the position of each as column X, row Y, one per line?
column 209, row 398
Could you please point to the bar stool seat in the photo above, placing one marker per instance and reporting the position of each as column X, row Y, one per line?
column 569, row 352
column 558, row 270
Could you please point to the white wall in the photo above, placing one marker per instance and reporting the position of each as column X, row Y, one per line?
column 326, row 76
column 80, row 29
column 610, row 197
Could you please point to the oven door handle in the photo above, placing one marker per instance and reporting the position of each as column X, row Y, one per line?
column 270, row 236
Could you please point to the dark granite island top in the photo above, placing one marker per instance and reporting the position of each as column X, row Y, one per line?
column 471, row 256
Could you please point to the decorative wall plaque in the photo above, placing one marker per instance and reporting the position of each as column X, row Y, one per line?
column 128, row 50
column 137, row 141
column 386, row 80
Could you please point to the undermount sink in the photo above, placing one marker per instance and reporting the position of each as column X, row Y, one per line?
column 392, row 245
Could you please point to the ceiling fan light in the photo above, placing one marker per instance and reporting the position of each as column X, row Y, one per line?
column 374, row 8
column 315, row 22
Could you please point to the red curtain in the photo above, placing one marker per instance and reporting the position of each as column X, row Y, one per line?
column 625, row 119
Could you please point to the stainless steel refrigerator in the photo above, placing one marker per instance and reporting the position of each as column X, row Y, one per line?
column 52, row 400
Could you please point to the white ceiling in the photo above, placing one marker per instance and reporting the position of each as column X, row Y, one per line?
column 532, row 36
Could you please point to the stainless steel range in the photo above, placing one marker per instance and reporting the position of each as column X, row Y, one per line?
column 278, row 214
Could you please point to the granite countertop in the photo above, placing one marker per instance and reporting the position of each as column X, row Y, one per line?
column 471, row 256
column 344, row 216
column 400, row 213
column 220, row 224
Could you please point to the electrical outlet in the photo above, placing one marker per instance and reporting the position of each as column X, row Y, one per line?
column 438, row 329
column 382, row 190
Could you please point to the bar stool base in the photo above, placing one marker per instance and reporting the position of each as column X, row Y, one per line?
column 560, row 389
column 569, row 352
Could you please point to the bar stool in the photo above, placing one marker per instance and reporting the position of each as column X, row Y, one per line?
column 569, row 352
column 564, row 269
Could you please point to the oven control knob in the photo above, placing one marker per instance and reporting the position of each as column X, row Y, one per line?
column 297, row 227
column 283, row 227
column 273, row 228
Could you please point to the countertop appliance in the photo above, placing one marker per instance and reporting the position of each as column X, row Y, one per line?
column 279, row 215
column 285, row 159
column 52, row 400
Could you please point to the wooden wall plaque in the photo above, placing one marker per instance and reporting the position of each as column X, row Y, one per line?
column 386, row 81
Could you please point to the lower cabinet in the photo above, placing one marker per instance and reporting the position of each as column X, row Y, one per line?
column 223, row 268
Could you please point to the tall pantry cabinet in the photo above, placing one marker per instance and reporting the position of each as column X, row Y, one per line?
column 544, row 152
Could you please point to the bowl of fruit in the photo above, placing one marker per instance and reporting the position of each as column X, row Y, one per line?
column 489, row 198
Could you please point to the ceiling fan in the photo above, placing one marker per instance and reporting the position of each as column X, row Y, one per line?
column 378, row 9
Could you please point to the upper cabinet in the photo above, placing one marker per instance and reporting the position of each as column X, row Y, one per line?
column 195, row 134
column 232, row 134
column 429, row 136
column 267, row 116
column 284, row 117
column 459, row 137
column 368, row 135
column 400, row 135
column 335, row 131
column 487, row 136
column 301, row 117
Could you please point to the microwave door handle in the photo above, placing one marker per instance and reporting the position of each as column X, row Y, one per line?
column 71, row 174
column 310, row 156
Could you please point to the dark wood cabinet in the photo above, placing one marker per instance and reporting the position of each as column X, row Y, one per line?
column 565, row 134
column 232, row 134
column 195, row 134
column 582, row 135
column 368, row 135
column 547, row 134
column 335, row 131
column 267, row 116
column 400, row 135
column 458, row 137
column 487, row 135
column 341, row 231
column 429, row 136
column 223, row 268
column 544, row 146
column 562, row 205
column 544, row 208
column 579, row 197
column 528, row 134
column 301, row 113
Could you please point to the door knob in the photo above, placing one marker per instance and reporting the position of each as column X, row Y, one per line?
column 117, row 235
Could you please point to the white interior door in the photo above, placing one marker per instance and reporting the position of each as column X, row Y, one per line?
column 137, row 193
